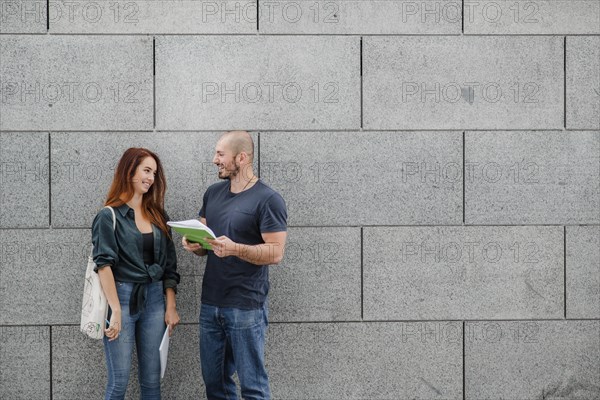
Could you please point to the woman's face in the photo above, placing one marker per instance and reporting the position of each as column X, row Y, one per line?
column 144, row 176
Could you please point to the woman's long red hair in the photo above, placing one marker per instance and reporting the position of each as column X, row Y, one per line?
column 121, row 190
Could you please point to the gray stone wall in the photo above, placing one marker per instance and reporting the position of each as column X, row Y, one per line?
column 440, row 160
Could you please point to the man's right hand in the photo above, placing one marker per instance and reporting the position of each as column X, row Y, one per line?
column 195, row 248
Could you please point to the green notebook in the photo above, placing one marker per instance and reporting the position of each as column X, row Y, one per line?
column 194, row 231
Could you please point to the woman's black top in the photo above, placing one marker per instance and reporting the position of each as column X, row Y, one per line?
column 148, row 246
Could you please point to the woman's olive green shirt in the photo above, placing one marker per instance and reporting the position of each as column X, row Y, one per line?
column 122, row 250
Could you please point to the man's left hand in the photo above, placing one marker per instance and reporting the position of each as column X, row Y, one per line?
column 223, row 246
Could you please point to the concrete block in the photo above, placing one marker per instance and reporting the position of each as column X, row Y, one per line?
column 76, row 82
column 420, row 360
column 189, row 291
column 361, row 17
column 319, row 278
column 463, row 273
column 79, row 366
column 525, row 17
column 183, row 379
column 372, row 178
column 25, row 366
column 187, row 263
column 463, row 82
column 222, row 82
column 81, row 179
column 42, row 274
column 153, row 16
column 532, row 360
column 532, row 177
column 583, row 82
column 583, row 271
column 24, row 190
column 23, row 16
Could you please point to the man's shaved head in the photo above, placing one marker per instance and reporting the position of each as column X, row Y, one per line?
column 239, row 141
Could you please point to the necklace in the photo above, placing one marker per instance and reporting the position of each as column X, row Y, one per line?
column 247, row 183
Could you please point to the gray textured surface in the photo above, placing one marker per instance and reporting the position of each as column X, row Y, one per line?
column 25, row 362
column 188, row 297
column 583, row 82
column 501, row 17
column 75, row 82
column 79, row 365
column 153, row 16
column 24, row 180
column 41, row 275
column 191, row 269
column 532, row 177
column 364, row 17
column 463, row 82
column 583, row 271
column 22, row 16
column 463, row 273
column 319, row 278
column 379, row 178
column 229, row 82
column 80, row 371
column 366, row 360
column 366, row 165
column 532, row 360
column 83, row 178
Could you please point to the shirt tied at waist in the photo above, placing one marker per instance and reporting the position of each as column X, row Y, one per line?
column 137, row 300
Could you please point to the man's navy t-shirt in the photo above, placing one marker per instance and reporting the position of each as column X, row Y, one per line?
column 242, row 217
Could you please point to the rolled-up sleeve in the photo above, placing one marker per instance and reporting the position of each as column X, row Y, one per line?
column 171, row 278
column 104, row 240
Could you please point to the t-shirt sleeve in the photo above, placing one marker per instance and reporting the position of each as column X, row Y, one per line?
column 202, row 213
column 273, row 215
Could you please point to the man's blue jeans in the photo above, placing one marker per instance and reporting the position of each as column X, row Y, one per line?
column 233, row 340
column 144, row 330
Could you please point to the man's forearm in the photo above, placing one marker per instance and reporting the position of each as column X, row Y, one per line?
column 260, row 254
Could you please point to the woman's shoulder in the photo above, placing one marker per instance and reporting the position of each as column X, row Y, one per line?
column 104, row 215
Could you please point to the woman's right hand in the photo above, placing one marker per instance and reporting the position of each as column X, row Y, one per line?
column 114, row 328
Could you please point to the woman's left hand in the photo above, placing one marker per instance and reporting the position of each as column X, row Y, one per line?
column 171, row 319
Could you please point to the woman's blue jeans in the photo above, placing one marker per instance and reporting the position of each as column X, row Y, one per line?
column 144, row 329
column 233, row 340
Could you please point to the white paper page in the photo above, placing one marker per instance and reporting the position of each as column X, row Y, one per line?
column 191, row 223
column 164, row 352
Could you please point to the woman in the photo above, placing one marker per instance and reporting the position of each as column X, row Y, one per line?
column 137, row 268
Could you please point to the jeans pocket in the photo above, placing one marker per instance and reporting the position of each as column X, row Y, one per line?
column 155, row 298
column 244, row 319
column 124, row 290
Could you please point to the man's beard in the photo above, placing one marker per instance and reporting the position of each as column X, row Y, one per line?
column 232, row 174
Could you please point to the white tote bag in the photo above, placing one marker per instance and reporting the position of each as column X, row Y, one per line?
column 94, row 307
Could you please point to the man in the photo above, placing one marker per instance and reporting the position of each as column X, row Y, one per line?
column 250, row 221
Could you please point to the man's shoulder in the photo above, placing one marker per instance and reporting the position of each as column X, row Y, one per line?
column 270, row 196
column 265, row 191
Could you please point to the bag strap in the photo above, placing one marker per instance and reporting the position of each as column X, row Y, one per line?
column 114, row 217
